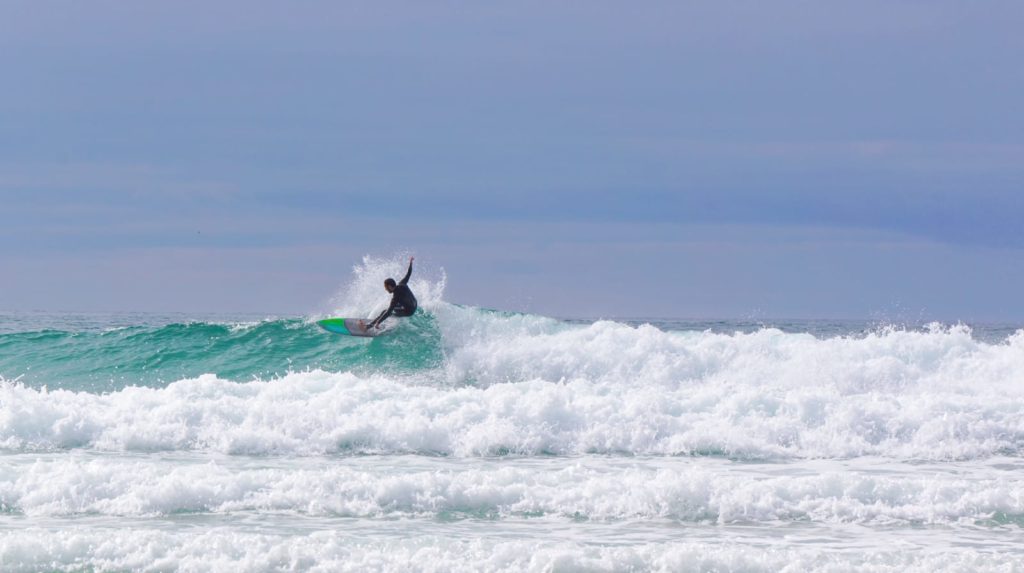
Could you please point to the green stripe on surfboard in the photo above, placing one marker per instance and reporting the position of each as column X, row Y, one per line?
column 335, row 325
column 347, row 326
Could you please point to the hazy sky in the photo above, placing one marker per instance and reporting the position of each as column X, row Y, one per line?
column 687, row 159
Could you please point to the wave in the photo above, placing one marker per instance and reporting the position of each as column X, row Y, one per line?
column 154, row 356
column 741, row 416
column 691, row 494
column 454, row 345
column 103, row 354
column 462, row 381
column 219, row 550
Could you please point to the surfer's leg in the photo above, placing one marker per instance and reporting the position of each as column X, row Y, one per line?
column 403, row 311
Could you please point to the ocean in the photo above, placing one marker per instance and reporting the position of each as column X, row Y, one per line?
column 469, row 439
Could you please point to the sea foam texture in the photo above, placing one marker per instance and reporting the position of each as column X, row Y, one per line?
column 222, row 550
column 686, row 494
column 529, row 385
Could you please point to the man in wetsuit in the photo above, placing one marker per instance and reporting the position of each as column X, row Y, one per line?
column 403, row 303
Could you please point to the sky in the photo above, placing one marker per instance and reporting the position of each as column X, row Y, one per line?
column 719, row 159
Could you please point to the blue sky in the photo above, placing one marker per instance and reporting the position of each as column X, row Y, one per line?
column 712, row 159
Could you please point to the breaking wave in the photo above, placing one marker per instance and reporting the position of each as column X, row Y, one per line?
column 516, row 384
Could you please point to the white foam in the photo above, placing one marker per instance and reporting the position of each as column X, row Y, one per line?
column 223, row 550
column 494, row 348
column 690, row 494
column 530, row 385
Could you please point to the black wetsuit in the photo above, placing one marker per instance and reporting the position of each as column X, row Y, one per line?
column 403, row 303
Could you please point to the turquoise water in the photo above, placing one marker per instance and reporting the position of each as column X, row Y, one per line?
column 90, row 353
column 107, row 352
column 476, row 440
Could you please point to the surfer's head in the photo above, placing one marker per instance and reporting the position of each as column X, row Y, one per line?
column 389, row 285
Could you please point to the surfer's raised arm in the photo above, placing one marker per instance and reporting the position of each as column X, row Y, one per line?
column 408, row 274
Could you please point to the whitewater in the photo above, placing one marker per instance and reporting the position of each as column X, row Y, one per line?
column 470, row 439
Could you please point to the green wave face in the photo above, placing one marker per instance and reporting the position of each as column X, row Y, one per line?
column 101, row 361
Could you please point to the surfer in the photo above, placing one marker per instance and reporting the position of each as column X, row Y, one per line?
column 403, row 303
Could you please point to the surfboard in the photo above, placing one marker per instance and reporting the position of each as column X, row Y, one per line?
column 349, row 326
